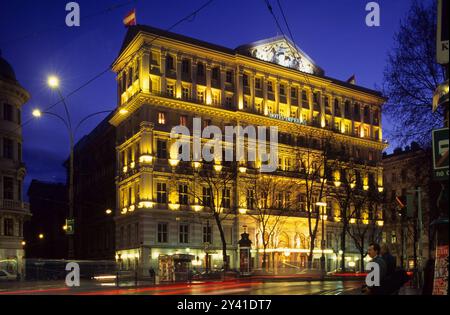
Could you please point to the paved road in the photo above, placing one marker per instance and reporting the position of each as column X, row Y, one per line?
column 232, row 287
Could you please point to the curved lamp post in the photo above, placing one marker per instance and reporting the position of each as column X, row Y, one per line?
column 53, row 83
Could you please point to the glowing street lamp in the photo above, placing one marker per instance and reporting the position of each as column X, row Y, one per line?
column 41, row 236
column 53, row 82
column 37, row 113
column 108, row 211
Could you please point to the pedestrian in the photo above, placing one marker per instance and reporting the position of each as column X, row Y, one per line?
column 151, row 273
column 374, row 252
column 391, row 263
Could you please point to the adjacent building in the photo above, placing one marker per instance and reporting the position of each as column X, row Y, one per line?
column 13, row 211
column 405, row 171
column 166, row 79
column 95, row 193
column 45, row 233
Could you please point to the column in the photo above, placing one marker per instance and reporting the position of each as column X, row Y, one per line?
column 223, row 77
column 322, row 108
column 178, row 69
column 194, row 77
column 372, row 131
column 252, row 89
column 352, row 115
column 333, row 114
column 288, row 98
column 208, row 83
column 361, row 114
column 311, row 106
column 277, row 96
column 264, row 90
column 163, row 71
column 144, row 71
column 239, row 87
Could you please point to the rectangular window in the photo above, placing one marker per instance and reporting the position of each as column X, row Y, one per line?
column 183, row 120
column 186, row 93
column 7, row 112
column 226, row 200
column 282, row 90
column 169, row 62
column 184, row 233
column 393, row 238
column 293, row 92
column 183, row 194
column 229, row 77
column 215, row 74
column 228, row 101
column 161, row 152
column 258, row 83
column 215, row 99
column 161, row 193
column 207, row 235
column 200, row 69
column 270, row 86
column 162, row 232
column 170, row 90
column 7, row 148
column 8, row 227
column 250, row 199
column 206, row 196
column 161, row 118
column 245, row 79
column 136, row 233
column 185, row 66
column 201, row 96
column 19, row 190
column 8, row 189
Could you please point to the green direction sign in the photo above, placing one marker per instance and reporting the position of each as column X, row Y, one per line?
column 440, row 153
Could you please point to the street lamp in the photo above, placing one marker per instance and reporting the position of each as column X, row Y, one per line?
column 41, row 236
column 108, row 211
column 322, row 206
column 53, row 83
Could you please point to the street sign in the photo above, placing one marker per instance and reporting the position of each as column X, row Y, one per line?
column 440, row 153
column 442, row 48
column 70, row 225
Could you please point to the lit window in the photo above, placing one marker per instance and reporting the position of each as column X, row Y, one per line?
column 201, row 96
column 186, row 93
column 170, row 90
column 162, row 233
column 184, row 233
column 161, row 193
column 161, row 118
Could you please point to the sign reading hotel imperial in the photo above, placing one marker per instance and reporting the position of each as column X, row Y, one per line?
column 288, row 119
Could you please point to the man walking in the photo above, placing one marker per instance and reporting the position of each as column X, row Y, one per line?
column 374, row 253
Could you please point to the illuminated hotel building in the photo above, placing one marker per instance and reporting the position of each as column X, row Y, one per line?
column 166, row 79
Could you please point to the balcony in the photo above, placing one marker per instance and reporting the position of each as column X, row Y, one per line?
column 9, row 204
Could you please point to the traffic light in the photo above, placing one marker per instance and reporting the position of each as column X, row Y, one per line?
column 70, row 225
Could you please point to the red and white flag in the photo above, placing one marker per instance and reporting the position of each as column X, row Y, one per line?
column 130, row 18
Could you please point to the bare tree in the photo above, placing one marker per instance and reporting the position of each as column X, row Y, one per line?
column 212, row 189
column 412, row 75
column 270, row 201
column 365, row 228
column 313, row 166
